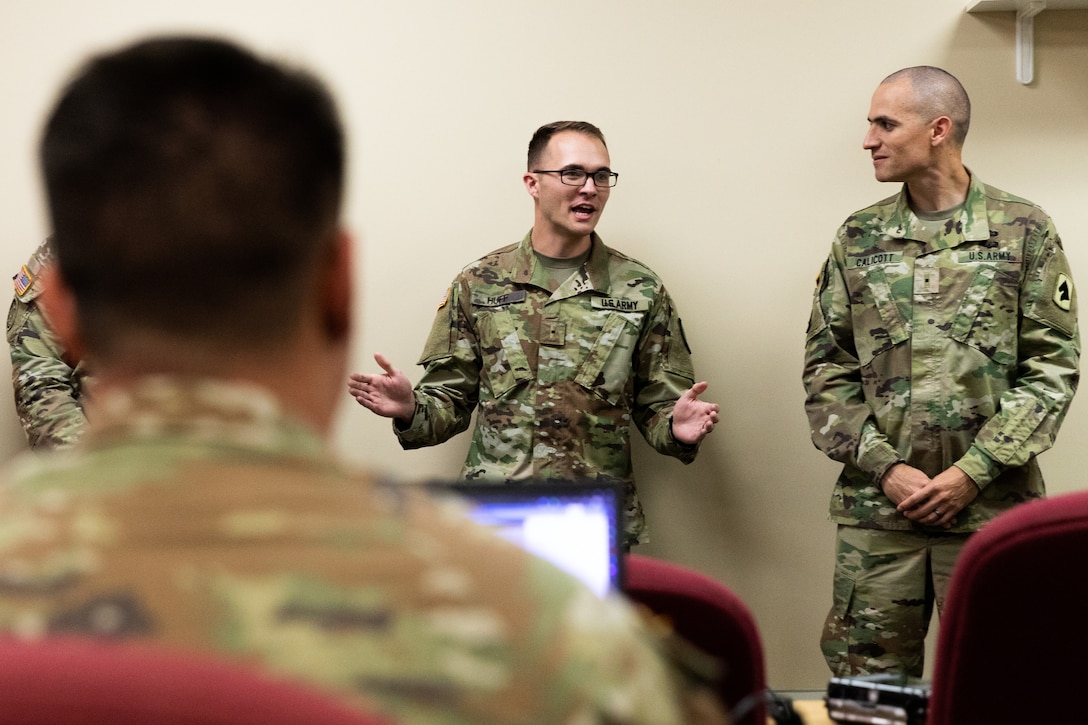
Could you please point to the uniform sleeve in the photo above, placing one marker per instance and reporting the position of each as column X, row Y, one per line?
column 663, row 372
column 841, row 421
column 1031, row 411
column 47, row 389
column 613, row 671
column 448, row 392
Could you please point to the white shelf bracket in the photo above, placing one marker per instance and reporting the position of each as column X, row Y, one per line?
column 1025, row 40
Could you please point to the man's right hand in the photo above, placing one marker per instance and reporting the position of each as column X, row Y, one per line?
column 901, row 481
column 388, row 394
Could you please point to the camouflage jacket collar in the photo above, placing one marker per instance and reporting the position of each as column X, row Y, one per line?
column 202, row 411
column 971, row 225
column 594, row 272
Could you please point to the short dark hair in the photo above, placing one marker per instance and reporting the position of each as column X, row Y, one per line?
column 544, row 134
column 936, row 92
column 192, row 189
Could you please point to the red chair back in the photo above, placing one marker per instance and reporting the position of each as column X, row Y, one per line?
column 72, row 681
column 709, row 616
column 1013, row 640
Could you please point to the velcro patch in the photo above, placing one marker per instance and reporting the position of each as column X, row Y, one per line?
column 507, row 298
column 23, row 280
column 621, row 304
column 1063, row 293
column 874, row 259
column 990, row 256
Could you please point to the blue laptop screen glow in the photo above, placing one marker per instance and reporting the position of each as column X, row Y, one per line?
column 575, row 526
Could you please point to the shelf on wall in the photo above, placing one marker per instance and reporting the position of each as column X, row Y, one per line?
column 1025, row 10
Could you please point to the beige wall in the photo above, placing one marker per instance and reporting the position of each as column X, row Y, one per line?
column 736, row 128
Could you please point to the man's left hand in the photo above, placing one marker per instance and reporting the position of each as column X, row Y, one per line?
column 693, row 419
column 937, row 503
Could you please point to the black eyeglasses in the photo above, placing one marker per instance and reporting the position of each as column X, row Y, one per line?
column 577, row 177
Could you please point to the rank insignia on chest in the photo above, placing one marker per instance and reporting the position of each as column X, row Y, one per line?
column 553, row 332
column 927, row 281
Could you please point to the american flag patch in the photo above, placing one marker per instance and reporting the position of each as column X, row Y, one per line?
column 23, row 280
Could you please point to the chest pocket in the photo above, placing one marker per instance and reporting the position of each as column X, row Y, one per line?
column 986, row 318
column 884, row 327
column 504, row 364
column 607, row 368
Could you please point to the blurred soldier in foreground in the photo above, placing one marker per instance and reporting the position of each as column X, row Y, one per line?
column 49, row 386
column 195, row 195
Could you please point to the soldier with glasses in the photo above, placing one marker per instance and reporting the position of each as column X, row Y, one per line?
column 559, row 343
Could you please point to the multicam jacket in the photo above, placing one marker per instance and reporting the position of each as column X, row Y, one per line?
column 195, row 515
column 957, row 346
column 559, row 377
column 48, row 386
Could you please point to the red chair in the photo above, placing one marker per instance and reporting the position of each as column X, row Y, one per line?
column 1013, row 638
column 72, row 681
column 709, row 616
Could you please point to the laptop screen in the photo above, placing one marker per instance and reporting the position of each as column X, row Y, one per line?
column 576, row 525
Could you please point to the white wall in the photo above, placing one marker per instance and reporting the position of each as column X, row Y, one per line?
column 737, row 130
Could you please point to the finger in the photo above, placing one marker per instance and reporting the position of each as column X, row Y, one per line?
column 384, row 363
column 698, row 389
column 911, row 503
column 360, row 382
column 923, row 512
column 940, row 517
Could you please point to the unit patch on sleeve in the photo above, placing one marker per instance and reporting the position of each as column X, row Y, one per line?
column 23, row 280
column 1063, row 293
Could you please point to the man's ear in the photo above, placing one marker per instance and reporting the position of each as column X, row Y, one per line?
column 58, row 304
column 531, row 184
column 338, row 287
column 940, row 130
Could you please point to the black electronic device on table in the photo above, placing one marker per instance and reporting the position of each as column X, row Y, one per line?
column 885, row 699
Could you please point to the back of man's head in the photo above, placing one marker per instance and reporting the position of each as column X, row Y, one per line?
column 193, row 189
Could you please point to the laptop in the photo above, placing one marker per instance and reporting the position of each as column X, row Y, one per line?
column 575, row 525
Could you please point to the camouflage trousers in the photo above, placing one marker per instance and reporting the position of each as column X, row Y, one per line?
column 885, row 588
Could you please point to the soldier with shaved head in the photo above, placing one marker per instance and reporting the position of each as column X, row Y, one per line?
column 942, row 354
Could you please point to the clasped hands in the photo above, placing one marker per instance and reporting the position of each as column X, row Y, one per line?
column 931, row 501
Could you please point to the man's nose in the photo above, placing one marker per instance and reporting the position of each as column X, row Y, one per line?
column 870, row 141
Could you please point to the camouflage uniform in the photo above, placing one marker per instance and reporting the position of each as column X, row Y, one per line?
column 48, row 389
column 558, row 375
column 195, row 515
column 934, row 345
